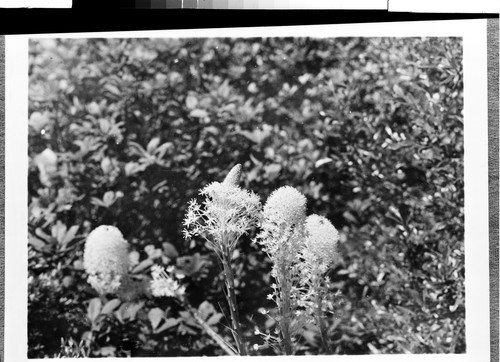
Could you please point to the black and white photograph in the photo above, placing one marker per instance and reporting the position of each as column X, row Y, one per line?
column 243, row 194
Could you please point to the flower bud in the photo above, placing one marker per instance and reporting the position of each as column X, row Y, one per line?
column 233, row 177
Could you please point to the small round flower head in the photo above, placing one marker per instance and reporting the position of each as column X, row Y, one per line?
column 163, row 284
column 233, row 177
column 106, row 258
column 285, row 205
column 321, row 241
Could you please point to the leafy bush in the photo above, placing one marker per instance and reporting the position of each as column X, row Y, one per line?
column 125, row 132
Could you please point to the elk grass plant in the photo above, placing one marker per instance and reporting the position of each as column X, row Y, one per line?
column 282, row 237
column 318, row 255
column 226, row 213
column 300, row 248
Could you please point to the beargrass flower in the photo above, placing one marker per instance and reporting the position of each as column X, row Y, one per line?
column 285, row 206
column 283, row 220
column 318, row 254
column 226, row 213
column 321, row 242
column 106, row 259
column 163, row 284
column 282, row 236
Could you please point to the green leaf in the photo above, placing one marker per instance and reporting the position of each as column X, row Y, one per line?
column 272, row 171
column 112, row 89
column 58, row 231
column 169, row 323
column 104, row 125
column 153, row 144
column 96, row 201
column 130, row 309
column 398, row 91
column 322, row 162
column 198, row 113
column 160, row 151
column 94, row 309
column 36, row 242
column 191, row 102
column 108, row 351
column 155, row 316
column 146, row 263
column 214, row 319
column 70, row 235
column 205, row 310
column 169, row 250
column 111, row 306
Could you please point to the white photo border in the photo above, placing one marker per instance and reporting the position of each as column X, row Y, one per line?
column 474, row 37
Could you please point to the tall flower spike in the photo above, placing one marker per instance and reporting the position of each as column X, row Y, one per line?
column 226, row 213
column 318, row 253
column 106, row 259
column 282, row 237
column 233, row 177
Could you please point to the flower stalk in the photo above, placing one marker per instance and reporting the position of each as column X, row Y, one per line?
column 226, row 213
column 320, row 250
column 233, row 306
column 213, row 334
column 285, row 311
column 320, row 317
column 282, row 237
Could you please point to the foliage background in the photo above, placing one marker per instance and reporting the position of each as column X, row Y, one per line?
column 369, row 129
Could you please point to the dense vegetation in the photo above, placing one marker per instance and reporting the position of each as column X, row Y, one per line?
column 125, row 132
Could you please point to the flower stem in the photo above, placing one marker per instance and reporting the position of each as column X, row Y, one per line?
column 208, row 330
column 218, row 339
column 233, row 305
column 285, row 310
column 320, row 321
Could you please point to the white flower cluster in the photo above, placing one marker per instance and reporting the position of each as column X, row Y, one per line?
column 226, row 214
column 164, row 284
column 321, row 243
column 283, row 224
column 287, row 230
column 106, row 259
